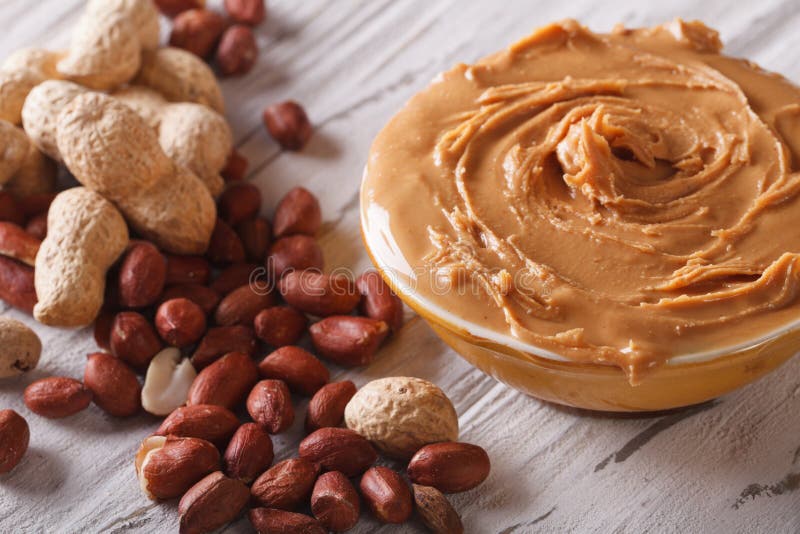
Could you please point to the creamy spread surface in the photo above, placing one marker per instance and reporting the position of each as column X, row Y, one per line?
column 615, row 198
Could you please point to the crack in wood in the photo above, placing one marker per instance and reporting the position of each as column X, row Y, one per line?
column 132, row 520
column 263, row 165
column 409, row 39
column 787, row 484
column 352, row 203
column 283, row 32
column 406, row 79
column 644, row 437
column 236, row 525
column 753, row 36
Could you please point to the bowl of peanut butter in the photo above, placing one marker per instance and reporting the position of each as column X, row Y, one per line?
column 608, row 221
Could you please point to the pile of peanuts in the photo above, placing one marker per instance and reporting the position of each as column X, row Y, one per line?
column 196, row 325
column 207, row 33
column 163, row 249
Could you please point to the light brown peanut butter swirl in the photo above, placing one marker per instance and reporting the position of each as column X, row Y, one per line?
column 619, row 198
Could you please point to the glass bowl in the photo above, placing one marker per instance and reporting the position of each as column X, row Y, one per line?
column 682, row 381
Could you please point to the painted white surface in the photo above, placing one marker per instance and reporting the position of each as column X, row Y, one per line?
column 728, row 466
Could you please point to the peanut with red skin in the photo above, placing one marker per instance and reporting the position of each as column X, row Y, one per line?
column 17, row 284
column 280, row 326
column 180, row 322
column 226, row 382
column 338, row 449
column 249, row 453
column 36, row 204
column 270, row 406
column 235, row 169
column 221, row 340
column 347, row 340
column 114, row 385
column 294, row 253
column 450, row 467
column 225, row 245
column 319, row 294
column 18, row 244
column 436, row 511
column 211, row 503
column 239, row 202
column 174, row 465
column 203, row 296
column 269, row 521
column 9, row 209
column 209, row 422
column 234, row 277
column 256, row 236
column 251, row 12
column 387, row 495
column 242, row 305
column 237, row 51
column 301, row 370
column 142, row 275
column 197, row 31
column 288, row 124
column 134, row 340
column 57, row 397
column 102, row 329
column 14, row 440
column 378, row 301
column 187, row 270
column 326, row 408
column 37, row 226
column 334, row 502
column 285, row 485
column 172, row 8
column 298, row 212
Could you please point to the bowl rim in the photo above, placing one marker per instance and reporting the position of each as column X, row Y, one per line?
column 455, row 323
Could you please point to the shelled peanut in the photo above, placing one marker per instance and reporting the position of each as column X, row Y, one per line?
column 14, row 439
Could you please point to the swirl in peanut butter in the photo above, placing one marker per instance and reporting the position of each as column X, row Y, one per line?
column 618, row 199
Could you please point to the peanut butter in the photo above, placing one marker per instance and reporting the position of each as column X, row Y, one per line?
column 615, row 198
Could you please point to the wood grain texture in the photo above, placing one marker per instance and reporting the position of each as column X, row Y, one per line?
column 732, row 465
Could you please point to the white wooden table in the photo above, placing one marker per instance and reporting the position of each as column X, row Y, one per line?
column 732, row 465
